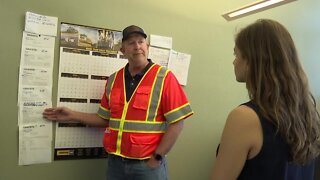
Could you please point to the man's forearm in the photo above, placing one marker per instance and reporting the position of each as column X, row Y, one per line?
column 170, row 137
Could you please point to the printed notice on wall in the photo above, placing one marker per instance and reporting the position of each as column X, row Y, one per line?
column 40, row 24
column 161, row 52
column 35, row 88
column 35, row 143
column 179, row 64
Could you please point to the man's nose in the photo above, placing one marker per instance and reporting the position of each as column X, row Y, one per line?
column 136, row 45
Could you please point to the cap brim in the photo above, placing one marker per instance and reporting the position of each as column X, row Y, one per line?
column 134, row 32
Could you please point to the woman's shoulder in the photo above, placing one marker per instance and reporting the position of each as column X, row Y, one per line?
column 243, row 114
column 244, row 122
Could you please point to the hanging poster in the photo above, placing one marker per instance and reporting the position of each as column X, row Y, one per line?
column 88, row 56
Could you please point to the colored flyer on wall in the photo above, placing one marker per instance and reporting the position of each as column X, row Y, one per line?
column 90, row 38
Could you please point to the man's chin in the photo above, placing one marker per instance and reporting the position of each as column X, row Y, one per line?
column 139, row 57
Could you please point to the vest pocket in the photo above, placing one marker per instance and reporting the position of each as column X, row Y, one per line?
column 141, row 99
column 109, row 140
column 142, row 145
column 116, row 101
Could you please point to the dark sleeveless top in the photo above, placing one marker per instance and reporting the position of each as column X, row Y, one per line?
column 271, row 163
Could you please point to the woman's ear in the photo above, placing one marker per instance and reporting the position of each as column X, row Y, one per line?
column 122, row 50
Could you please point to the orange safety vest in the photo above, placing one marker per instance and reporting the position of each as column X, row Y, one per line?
column 135, row 129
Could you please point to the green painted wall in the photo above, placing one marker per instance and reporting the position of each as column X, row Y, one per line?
column 211, row 88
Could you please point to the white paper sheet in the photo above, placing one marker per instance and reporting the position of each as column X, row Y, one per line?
column 35, row 141
column 37, row 40
column 161, row 41
column 179, row 64
column 35, row 89
column 34, row 93
column 35, row 77
column 31, row 112
column 41, row 24
column 37, row 50
column 37, row 56
column 159, row 55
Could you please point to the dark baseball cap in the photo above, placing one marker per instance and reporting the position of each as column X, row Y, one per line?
column 128, row 31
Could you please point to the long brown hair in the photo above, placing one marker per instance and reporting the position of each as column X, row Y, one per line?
column 277, row 83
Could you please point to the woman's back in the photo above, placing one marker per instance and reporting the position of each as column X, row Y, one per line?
column 272, row 160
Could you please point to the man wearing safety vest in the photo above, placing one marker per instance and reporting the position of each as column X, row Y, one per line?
column 143, row 108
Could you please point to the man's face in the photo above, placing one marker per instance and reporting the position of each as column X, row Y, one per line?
column 135, row 48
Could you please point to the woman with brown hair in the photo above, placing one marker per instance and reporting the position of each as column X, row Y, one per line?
column 276, row 135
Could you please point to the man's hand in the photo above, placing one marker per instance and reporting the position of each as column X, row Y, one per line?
column 58, row 114
column 153, row 163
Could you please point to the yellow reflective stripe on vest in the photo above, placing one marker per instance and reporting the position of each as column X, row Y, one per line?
column 138, row 126
column 178, row 113
column 123, row 117
column 111, row 81
column 154, row 101
column 110, row 85
column 121, row 125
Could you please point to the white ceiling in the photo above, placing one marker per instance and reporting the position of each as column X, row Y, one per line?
column 210, row 11
column 202, row 10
